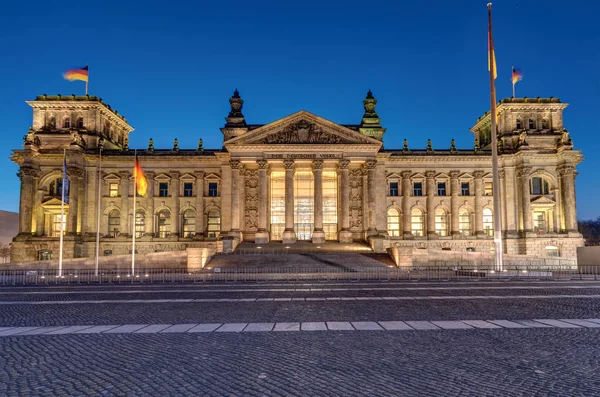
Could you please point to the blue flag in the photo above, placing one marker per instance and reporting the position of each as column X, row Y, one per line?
column 65, row 181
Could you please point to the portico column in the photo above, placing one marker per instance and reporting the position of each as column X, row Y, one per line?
column 406, row 225
column 478, row 175
column 370, row 166
column 199, row 205
column 430, row 186
column 345, row 235
column 262, row 235
column 25, row 204
column 289, row 235
column 523, row 174
column 454, row 222
column 568, row 175
column 318, row 235
column 125, row 229
column 235, row 200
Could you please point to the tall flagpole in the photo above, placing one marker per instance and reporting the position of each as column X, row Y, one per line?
column 134, row 200
column 88, row 80
column 62, row 217
column 494, row 134
column 98, row 210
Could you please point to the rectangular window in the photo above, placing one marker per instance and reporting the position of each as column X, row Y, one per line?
column 393, row 188
column 163, row 189
column 187, row 190
column 213, row 189
column 464, row 189
column 58, row 221
column 113, row 190
column 417, row 189
column 488, row 188
column 539, row 221
column 441, row 188
column 277, row 204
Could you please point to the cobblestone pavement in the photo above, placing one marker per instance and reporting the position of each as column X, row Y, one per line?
column 542, row 358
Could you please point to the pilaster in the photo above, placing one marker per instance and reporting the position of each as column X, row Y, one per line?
column 478, row 175
column 289, row 235
column 262, row 235
column 454, row 190
column 430, row 204
column 318, row 235
column 406, row 194
column 345, row 235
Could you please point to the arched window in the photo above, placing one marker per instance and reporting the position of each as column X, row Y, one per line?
column 417, row 222
column 539, row 186
column 114, row 223
column 189, row 223
column 519, row 125
column 441, row 222
column 393, row 222
column 67, row 122
column 464, row 222
column 140, row 223
column 52, row 122
column 164, row 224
column 80, row 122
column 55, row 188
column 531, row 124
column 214, row 224
column 544, row 124
column 488, row 222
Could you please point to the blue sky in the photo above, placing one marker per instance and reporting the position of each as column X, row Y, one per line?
column 170, row 67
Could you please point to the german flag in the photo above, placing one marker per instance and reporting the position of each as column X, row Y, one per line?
column 141, row 184
column 77, row 74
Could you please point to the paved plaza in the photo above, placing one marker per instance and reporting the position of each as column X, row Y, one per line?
column 527, row 338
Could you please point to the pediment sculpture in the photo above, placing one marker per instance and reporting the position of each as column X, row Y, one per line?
column 303, row 132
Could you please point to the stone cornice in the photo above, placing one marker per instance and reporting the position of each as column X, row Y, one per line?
column 284, row 148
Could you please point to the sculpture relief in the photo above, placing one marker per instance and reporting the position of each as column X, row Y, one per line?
column 302, row 132
column 251, row 200
column 356, row 200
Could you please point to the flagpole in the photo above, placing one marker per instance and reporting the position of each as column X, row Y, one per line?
column 98, row 210
column 512, row 79
column 134, row 200
column 87, row 81
column 62, row 217
column 494, row 134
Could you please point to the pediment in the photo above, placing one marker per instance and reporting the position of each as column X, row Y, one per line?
column 112, row 177
column 302, row 128
column 187, row 177
column 417, row 175
column 442, row 175
column 162, row 177
column 212, row 177
column 543, row 201
column 52, row 203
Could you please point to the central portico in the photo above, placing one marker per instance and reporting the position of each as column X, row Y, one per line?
column 303, row 164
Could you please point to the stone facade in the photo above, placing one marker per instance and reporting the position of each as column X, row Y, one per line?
column 300, row 177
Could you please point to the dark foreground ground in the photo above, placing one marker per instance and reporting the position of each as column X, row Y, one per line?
column 320, row 339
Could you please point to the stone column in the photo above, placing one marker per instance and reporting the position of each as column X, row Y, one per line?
column 372, row 201
column 478, row 175
column 81, row 209
column 289, row 235
column 125, row 226
column 262, row 235
column 511, row 202
column 568, row 175
column 38, row 212
column 345, row 235
column 558, row 223
column 74, row 179
column 406, row 194
column 176, row 216
column 318, row 235
column 523, row 175
column 454, row 190
column 27, row 176
column 430, row 186
column 199, row 205
column 500, row 191
column 236, row 165
column 149, row 215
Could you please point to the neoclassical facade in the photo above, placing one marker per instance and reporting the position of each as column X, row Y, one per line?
column 298, row 178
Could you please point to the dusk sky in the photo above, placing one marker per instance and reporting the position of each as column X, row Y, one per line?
column 170, row 67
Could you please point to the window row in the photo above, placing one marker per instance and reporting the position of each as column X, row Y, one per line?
column 163, row 189
column 66, row 122
column 442, row 222
column 442, row 190
column 531, row 124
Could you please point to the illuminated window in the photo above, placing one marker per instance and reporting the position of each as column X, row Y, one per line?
column 277, row 204
column 539, row 186
column 441, row 222
column 417, row 222
column 113, row 190
column 164, row 224
column 163, row 189
column 67, row 122
column 539, row 221
column 417, row 189
column 393, row 188
column 464, row 189
column 57, row 221
column 114, row 223
column 488, row 222
column 531, row 124
column 441, row 188
column 393, row 222
column 552, row 251
column 189, row 223
column 330, row 200
column 213, row 224
column 464, row 222
column 304, row 204
column 140, row 223
column 188, row 189
column 488, row 189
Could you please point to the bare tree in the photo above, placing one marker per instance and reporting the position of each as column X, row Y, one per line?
column 590, row 230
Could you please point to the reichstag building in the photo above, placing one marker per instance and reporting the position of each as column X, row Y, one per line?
column 299, row 178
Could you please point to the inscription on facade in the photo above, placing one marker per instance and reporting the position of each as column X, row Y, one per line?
column 301, row 156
